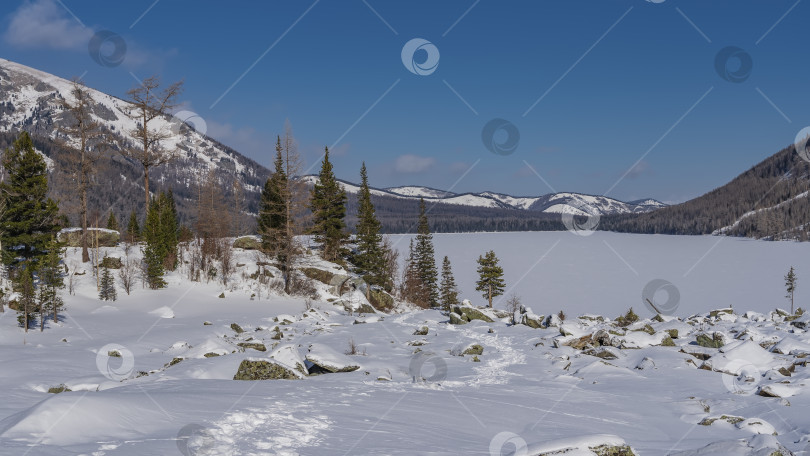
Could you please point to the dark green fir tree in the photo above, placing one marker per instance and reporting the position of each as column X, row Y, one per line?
column 328, row 205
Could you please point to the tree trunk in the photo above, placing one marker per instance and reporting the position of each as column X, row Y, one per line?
column 489, row 295
column 146, row 186
column 42, row 318
column 85, row 253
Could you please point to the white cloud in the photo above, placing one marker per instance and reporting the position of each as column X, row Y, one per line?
column 45, row 24
column 411, row 164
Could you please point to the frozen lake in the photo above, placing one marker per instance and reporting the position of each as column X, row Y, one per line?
column 605, row 273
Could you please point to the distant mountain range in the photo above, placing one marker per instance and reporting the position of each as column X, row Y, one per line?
column 770, row 200
column 553, row 203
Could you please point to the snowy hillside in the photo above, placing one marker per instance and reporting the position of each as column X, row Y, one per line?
column 32, row 100
column 554, row 203
column 153, row 372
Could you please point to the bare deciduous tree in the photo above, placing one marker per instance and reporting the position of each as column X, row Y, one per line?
column 148, row 104
column 85, row 137
column 127, row 274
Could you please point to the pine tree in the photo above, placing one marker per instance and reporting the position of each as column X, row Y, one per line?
column 107, row 288
column 490, row 281
column 448, row 291
column 133, row 229
column 168, row 229
column 425, row 260
column 26, row 302
column 328, row 205
column 29, row 219
column 112, row 222
column 51, row 280
column 370, row 261
column 272, row 218
column 412, row 289
column 154, row 251
column 790, row 285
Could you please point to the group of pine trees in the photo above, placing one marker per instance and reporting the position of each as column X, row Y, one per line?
column 282, row 217
column 28, row 227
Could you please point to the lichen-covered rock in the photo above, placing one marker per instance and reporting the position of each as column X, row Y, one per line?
column 247, row 243
column 601, row 337
column 468, row 349
column 264, row 370
column 532, row 321
column 253, row 345
column 716, row 340
column 59, row 389
column 380, row 300
column 667, row 342
column 329, row 360
column 456, row 319
column 320, row 275
column 236, row 328
column 421, row 331
column 471, row 313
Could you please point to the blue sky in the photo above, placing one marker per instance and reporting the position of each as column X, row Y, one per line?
column 630, row 100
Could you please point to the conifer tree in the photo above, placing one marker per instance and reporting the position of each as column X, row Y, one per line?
column 168, row 229
column 51, row 280
column 448, row 291
column 133, row 228
column 112, row 222
column 370, row 261
column 490, row 281
column 328, row 205
column 411, row 288
column 107, row 290
column 154, row 251
column 29, row 220
column 272, row 218
column 26, row 302
column 424, row 258
column 790, row 285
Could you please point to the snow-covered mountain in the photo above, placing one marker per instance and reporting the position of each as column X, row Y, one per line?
column 553, row 203
column 32, row 100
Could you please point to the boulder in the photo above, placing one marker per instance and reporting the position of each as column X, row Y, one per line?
column 471, row 313
column 328, row 360
column 468, row 349
column 456, row 319
column 530, row 319
column 380, row 300
column 247, row 243
column 264, row 370
column 253, row 345
column 421, row 331
column 601, row 337
column 716, row 340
